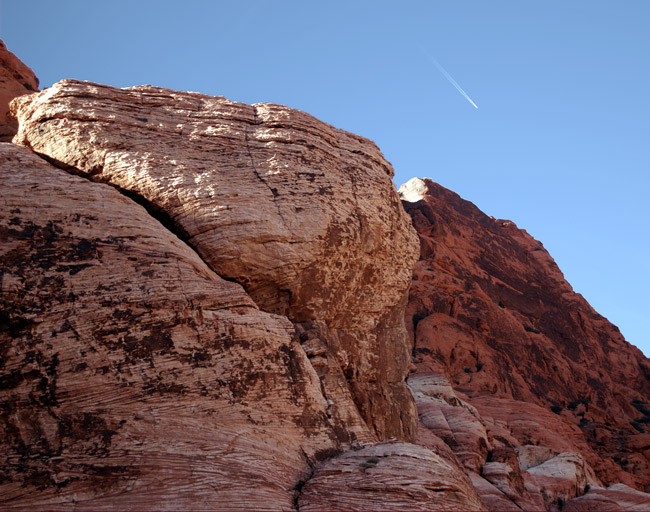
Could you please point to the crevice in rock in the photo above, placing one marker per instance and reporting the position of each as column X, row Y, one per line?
column 153, row 210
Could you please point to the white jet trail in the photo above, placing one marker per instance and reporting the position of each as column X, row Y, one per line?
column 451, row 80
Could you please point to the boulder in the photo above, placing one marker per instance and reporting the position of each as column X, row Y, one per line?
column 303, row 215
column 16, row 79
column 388, row 476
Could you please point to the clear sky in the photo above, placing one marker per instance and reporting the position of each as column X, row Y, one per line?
column 560, row 143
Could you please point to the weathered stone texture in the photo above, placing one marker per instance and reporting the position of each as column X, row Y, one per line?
column 303, row 215
column 16, row 79
column 133, row 376
column 388, row 476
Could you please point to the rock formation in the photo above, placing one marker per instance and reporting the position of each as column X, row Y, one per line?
column 202, row 308
column 16, row 79
column 136, row 376
column 490, row 311
column 303, row 215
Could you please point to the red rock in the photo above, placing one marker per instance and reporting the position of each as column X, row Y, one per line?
column 16, row 79
column 133, row 376
column 490, row 309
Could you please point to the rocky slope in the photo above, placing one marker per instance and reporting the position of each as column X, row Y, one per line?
column 490, row 310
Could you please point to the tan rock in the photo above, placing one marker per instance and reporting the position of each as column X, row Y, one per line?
column 388, row 476
column 451, row 419
column 133, row 376
column 531, row 455
column 563, row 477
column 16, row 79
column 303, row 215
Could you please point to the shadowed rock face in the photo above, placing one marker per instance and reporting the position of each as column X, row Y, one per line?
column 16, row 79
column 490, row 309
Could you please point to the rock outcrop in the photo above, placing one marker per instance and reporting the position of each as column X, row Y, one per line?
column 490, row 310
column 389, row 476
column 134, row 377
column 304, row 216
column 16, row 79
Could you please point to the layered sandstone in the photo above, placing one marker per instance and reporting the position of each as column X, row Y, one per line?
column 16, row 79
column 303, row 215
column 490, row 310
column 133, row 376
column 389, row 476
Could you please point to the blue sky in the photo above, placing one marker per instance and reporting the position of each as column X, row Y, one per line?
column 560, row 143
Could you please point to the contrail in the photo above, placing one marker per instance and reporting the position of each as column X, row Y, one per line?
column 451, row 80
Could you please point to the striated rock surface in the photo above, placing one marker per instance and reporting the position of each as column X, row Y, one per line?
column 16, row 79
column 615, row 497
column 491, row 311
column 388, row 476
column 133, row 376
column 302, row 215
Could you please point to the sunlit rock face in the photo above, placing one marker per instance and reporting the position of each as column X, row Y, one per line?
column 16, row 79
column 303, row 215
column 490, row 310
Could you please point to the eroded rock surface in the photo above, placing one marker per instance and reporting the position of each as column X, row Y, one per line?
column 614, row 497
column 491, row 311
column 303, row 215
column 16, row 79
column 133, row 376
column 389, row 476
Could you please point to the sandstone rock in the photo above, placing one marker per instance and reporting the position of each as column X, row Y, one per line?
column 490, row 309
column 530, row 455
column 133, row 376
column 303, row 215
column 16, row 79
column 491, row 497
column 561, row 478
column 388, row 476
column 454, row 421
column 615, row 497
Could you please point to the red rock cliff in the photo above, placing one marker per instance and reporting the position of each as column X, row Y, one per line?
column 490, row 310
column 16, row 79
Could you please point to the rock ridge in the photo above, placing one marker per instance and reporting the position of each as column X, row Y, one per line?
column 491, row 311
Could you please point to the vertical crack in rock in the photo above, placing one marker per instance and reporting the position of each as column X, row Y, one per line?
column 274, row 191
